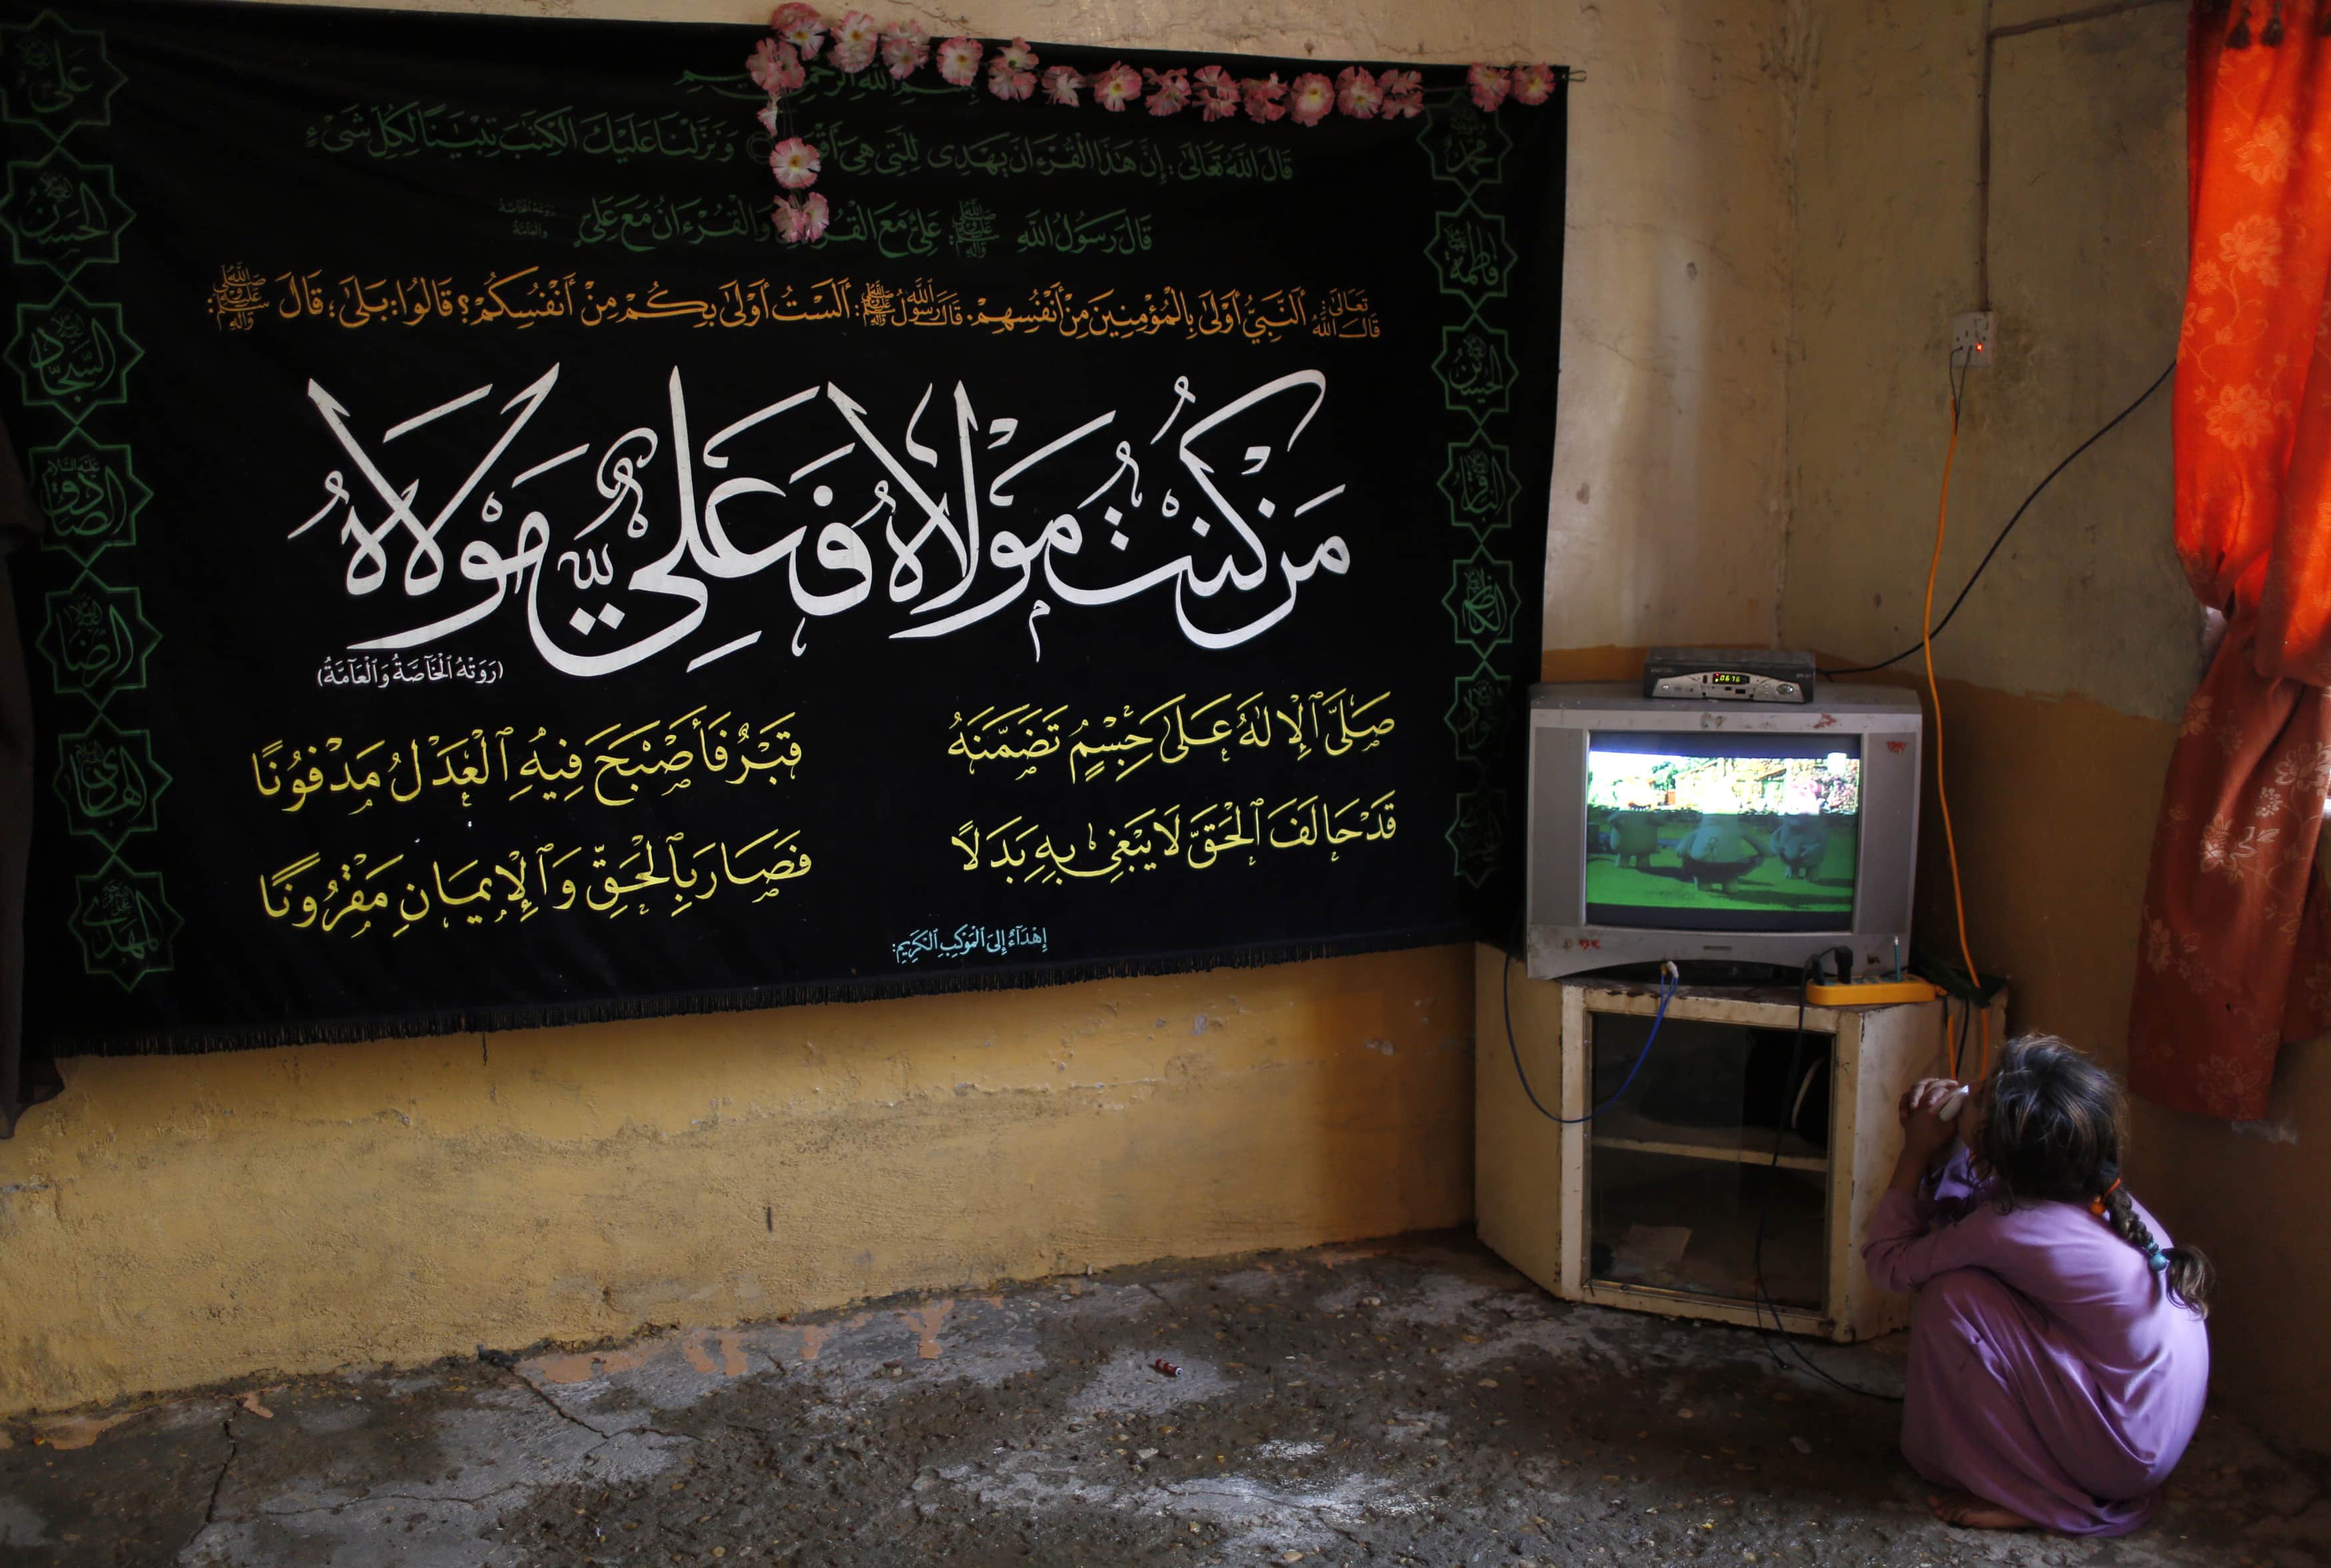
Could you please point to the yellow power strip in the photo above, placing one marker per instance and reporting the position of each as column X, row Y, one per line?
column 1876, row 992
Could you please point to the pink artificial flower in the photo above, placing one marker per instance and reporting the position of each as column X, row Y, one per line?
column 1168, row 90
column 1017, row 55
column 1218, row 92
column 775, row 68
column 1489, row 85
column 1114, row 88
column 959, row 61
column 1262, row 97
column 1403, row 94
column 856, row 38
column 1007, row 81
column 767, row 115
column 791, row 73
column 800, row 220
column 814, row 217
column 1356, row 92
column 1314, row 98
column 1063, row 84
column 1533, row 84
column 794, row 163
column 801, row 26
column 904, row 48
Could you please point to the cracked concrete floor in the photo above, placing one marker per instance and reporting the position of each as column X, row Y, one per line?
column 1413, row 1404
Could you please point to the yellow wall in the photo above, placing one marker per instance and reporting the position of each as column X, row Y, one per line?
column 172, row 1220
column 178, row 1220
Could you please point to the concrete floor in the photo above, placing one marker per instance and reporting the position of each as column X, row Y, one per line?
column 1416, row 1403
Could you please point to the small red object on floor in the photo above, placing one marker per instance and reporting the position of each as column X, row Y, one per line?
column 1167, row 1367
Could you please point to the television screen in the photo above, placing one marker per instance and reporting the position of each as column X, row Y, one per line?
column 1700, row 831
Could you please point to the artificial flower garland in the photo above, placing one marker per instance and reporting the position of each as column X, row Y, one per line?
column 779, row 66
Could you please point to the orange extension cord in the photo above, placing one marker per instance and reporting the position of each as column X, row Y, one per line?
column 1942, row 791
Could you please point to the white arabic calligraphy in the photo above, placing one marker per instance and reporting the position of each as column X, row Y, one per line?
column 951, row 563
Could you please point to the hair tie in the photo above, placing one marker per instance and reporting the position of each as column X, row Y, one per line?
column 2097, row 1204
column 2153, row 1256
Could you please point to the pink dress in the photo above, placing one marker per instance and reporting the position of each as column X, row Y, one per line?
column 2049, row 1373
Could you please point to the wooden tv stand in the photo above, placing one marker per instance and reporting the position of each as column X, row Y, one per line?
column 1687, row 1196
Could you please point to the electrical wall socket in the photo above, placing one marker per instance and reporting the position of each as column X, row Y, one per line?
column 1971, row 336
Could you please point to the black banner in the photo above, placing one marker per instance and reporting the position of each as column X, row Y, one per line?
column 491, row 578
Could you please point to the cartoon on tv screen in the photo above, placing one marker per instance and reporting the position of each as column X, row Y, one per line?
column 1670, row 833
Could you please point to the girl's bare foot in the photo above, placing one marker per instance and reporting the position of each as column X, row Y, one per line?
column 1970, row 1512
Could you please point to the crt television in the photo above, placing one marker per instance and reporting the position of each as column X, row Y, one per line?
column 1733, row 832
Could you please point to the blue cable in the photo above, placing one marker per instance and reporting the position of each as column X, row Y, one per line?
column 1670, row 979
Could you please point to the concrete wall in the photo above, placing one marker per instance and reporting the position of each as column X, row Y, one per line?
column 172, row 1221
column 175, row 1221
column 2065, row 676
column 2087, row 253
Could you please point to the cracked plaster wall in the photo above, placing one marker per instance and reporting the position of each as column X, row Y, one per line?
column 177, row 1220
column 174, row 1220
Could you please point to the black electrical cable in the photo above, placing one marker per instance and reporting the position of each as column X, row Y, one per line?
column 1777, row 1334
column 1974, row 576
column 1764, row 1208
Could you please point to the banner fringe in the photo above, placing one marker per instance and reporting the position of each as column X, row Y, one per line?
column 198, row 1040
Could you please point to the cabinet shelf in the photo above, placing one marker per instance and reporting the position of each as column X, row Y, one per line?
column 1620, row 1129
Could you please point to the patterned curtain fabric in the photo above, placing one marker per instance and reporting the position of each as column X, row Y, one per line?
column 2235, row 957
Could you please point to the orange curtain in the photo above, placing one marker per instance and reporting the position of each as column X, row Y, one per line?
column 2235, row 951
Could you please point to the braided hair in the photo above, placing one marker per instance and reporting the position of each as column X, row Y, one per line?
column 2051, row 1129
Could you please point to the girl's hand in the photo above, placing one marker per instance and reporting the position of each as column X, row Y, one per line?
column 1925, row 1135
column 1926, row 1138
column 1930, row 1092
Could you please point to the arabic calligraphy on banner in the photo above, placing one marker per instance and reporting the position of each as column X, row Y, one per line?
column 418, row 129
column 1188, row 837
column 971, row 941
column 639, row 876
column 814, row 459
column 1115, row 745
column 626, row 762
column 381, row 672
column 493, row 581
column 645, row 222
column 528, row 296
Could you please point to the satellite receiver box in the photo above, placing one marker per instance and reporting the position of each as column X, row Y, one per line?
column 1728, row 675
